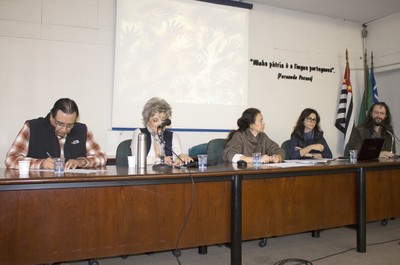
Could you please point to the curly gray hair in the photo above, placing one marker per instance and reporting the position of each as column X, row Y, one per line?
column 153, row 106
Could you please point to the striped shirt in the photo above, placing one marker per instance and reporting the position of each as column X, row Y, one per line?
column 95, row 157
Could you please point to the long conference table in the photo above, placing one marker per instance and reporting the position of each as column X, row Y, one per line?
column 47, row 218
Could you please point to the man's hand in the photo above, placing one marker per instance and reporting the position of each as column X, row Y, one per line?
column 75, row 163
column 48, row 163
column 386, row 154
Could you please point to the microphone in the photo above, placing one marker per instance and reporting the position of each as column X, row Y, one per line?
column 160, row 132
column 166, row 122
column 391, row 134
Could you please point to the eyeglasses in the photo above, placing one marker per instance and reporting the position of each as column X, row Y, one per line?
column 311, row 119
column 66, row 125
column 379, row 112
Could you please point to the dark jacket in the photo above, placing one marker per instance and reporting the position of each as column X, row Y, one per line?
column 168, row 135
column 359, row 133
column 43, row 140
column 298, row 140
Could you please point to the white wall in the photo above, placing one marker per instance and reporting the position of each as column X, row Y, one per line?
column 383, row 40
column 287, row 36
column 64, row 48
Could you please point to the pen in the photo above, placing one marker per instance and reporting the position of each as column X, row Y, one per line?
column 48, row 154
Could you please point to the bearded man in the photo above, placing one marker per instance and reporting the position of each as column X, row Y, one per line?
column 378, row 124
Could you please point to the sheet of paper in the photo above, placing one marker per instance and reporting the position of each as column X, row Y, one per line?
column 85, row 171
column 308, row 161
column 285, row 165
column 76, row 170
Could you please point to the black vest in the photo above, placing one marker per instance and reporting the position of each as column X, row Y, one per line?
column 43, row 140
column 167, row 138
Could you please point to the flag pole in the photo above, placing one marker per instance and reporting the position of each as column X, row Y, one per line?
column 364, row 107
column 344, row 117
column 375, row 97
column 372, row 61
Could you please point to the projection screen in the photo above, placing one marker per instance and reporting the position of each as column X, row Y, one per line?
column 193, row 54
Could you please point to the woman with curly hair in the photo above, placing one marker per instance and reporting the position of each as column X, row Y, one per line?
column 307, row 139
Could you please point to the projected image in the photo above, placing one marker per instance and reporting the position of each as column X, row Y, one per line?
column 188, row 52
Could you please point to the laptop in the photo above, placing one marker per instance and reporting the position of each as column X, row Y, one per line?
column 370, row 148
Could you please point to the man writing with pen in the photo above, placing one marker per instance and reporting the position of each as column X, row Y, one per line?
column 57, row 135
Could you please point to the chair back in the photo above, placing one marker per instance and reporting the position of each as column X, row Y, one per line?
column 123, row 151
column 198, row 150
column 285, row 146
column 215, row 148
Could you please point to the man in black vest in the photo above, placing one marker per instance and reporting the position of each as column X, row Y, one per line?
column 57, row 135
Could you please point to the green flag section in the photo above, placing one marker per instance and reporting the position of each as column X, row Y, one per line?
column 366, row 102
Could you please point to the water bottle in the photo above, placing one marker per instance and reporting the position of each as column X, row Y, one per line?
column 142, row 151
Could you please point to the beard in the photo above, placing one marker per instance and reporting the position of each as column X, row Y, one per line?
column 377, row 121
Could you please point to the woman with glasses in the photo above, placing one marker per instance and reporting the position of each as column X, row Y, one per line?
column 307, row 139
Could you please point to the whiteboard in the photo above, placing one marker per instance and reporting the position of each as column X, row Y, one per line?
column 192, row 54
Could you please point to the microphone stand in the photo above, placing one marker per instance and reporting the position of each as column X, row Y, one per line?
column 162, row 165
column 173, row 152
column 393, row 142
column 393, row 137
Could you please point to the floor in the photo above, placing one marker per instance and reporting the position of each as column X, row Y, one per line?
column 334, row 246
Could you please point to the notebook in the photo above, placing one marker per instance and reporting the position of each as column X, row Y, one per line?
column 370, row 148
